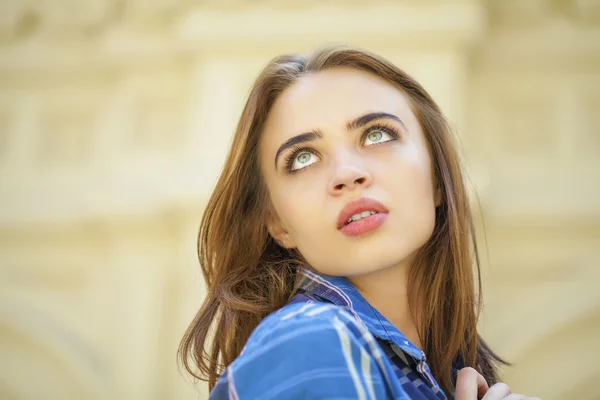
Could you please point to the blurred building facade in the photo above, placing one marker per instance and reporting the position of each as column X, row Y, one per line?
column 115, row 118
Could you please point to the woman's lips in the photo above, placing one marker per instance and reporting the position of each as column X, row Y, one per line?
column 365, row 224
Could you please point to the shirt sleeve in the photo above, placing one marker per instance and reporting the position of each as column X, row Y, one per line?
column 301, row 358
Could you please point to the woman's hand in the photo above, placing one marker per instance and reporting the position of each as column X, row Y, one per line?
column 470, row 385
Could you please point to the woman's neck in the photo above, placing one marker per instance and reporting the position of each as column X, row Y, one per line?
column 386, row 290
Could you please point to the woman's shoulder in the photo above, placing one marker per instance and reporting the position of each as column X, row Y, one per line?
column 298, row 321
column 310, row 325
column 309, row 311
column 304, row 349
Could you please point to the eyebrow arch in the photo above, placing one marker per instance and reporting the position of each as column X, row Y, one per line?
column 350, row 126
column 365, row 119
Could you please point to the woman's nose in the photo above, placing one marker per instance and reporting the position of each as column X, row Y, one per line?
column 349, row 177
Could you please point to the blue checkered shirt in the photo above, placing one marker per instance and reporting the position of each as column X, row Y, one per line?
column 327, row 343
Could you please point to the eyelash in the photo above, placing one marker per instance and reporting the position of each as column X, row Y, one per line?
column 298, row 148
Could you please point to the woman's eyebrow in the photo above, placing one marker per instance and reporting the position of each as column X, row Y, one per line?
column 350, row 126
column 365, row 119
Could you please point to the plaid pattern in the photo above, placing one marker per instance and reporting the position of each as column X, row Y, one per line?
column 327, row 343
column 407, row 361
column 406, row 370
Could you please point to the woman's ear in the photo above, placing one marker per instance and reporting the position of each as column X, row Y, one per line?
column 278, row 230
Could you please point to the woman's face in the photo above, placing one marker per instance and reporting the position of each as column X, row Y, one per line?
column 340, row 159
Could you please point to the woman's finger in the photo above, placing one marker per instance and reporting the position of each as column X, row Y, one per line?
column 470, row 385
column 499, row 391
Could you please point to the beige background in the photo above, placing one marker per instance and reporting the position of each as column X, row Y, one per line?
column 115, row 116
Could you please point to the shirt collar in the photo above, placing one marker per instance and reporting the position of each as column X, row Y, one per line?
column 341, row 292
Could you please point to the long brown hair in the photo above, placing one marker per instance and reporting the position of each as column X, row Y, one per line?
column 248, row 275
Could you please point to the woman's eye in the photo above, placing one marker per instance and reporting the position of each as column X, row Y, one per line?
column 303, row 159
column 377, row 136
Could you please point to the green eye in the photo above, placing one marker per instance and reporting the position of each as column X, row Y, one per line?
column 376, row 136
column 303, row 158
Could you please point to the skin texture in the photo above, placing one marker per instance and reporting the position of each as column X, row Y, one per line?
column 345, row 167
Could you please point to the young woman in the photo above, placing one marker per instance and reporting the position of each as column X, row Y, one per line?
column 338, row 244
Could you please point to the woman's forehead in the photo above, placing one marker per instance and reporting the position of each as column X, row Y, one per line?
column 327, row 99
